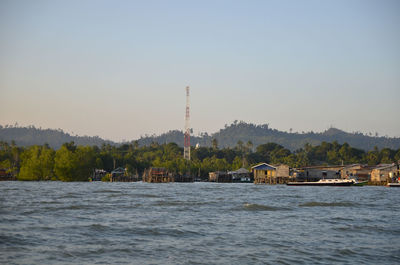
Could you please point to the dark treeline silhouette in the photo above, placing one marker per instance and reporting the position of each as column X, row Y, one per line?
column 76, row 162
column 260, row 134
column 226, row 137
column 26, row 136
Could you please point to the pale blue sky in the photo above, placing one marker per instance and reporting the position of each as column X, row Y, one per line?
column 118, row 69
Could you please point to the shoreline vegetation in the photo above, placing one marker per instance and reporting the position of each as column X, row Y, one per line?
column 74, row 162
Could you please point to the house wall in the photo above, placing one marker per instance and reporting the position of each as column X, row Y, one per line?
column 282, row 171
column 316, row 174
column 212, row 177
column 350, row 171
column 264, row 176
column 382, row 175
column 157, row 175
column 219, row 176
column 224, row 178
column 376, row 176
column 361, row 172
column 259, row 173
column 280, row 175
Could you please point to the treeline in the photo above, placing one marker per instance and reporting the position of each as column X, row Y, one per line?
column 76, row 163
column 261, row 134
column 27, row 136
column 227, row 137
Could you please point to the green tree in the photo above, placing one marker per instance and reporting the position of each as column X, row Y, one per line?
column 214, row 144
column 397, row 156
column 237, row 163
column 387, row 156
column 333, row 157
column 47, row 162
column 74, row 164
column 271, row 151
column 373, row 157
column 5, row 164
column 279, row 154
column 239, row 145
column 302, row 159
column 37, row 163
column 249, row 146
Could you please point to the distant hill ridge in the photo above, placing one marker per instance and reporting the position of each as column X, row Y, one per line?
column 26, row 136
column 226, row 137
column 261, row 134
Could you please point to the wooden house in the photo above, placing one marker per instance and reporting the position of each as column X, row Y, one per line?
column 316, row 173
column 98, row 174
column 241, row 175
column 183, row 178
column 358, row 171
column 383, row 174
column 269, row 174
column 5, row 175
column 117, row 173
column 121, row 175
column 157, row 175
column 3, row 172
column 219, row 176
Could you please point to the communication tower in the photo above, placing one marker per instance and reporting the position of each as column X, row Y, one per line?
column 186, row 149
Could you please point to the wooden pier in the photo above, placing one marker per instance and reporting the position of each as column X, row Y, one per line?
column 220, row 177
column 157, row 175
column 124, row 178
column 183, row 178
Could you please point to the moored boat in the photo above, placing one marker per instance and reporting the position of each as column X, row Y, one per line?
column 360, row 183
column 324, row 182
column 397, row 185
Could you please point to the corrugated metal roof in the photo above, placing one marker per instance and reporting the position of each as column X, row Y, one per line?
column 239, row 171
column 118, row 170
column 385, row 166
column 263, row 166
column 242, row 171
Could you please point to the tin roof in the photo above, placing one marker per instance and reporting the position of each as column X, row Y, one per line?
column 263, row 166
column 118, row 170
column 385, row 166
column 239, row 171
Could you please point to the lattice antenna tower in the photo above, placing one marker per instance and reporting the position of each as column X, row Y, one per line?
column 186, row 149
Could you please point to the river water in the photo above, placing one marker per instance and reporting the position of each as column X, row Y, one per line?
column 197, row 223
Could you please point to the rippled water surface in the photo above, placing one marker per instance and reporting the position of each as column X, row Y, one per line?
column 197, row 223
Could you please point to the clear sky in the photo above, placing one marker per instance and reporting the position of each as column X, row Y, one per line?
column 118, row 69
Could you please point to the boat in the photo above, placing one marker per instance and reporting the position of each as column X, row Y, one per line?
column 324, row 182
column 360, row 183
column 242, row 180
column 393, row 185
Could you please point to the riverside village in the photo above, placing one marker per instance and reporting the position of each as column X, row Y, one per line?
column 270, row 164
column 263, row 173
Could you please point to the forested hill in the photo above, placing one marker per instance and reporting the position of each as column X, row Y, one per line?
column 26, row 136
column 261, row 134
column 227, row 137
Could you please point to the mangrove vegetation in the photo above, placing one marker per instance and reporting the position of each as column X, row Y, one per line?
column 73, row 162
